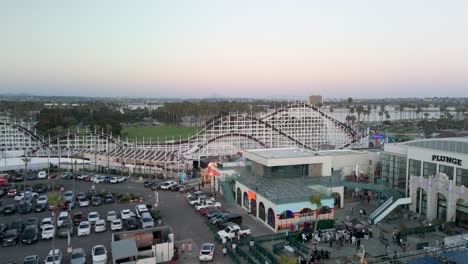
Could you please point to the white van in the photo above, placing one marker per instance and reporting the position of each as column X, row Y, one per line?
column 42, row 175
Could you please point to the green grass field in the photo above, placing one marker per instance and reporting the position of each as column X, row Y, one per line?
column 159, row 131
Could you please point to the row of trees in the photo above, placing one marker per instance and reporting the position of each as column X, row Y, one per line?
column 405, row 110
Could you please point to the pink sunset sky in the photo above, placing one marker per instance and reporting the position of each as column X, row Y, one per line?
column 262, row 48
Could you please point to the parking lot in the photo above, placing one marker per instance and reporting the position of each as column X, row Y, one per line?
column 188, row 225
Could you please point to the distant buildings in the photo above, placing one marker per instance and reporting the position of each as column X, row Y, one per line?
column 316, row 100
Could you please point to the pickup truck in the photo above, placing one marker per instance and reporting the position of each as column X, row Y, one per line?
column 199, row 200
column 231, row 232
column 207, row 203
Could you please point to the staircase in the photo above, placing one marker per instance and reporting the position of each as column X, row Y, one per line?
column 393, row 197
column 386, row 208
column 226, row 186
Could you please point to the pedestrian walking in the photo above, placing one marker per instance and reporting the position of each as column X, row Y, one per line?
column 224, row 240
column 190, row 247
column 368, row 198
column 331, row 243
column 353, row 240
column 234, row 247
column 224, row 251
column 358, row 243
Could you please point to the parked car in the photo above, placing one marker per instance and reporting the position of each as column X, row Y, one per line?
column 80, row 196
column 207, row 203
column 111, row 215
column 65, row 230
column 99, row 179
column 218, row 217
column 84, row 229
column 96, row 200
column 146, row 220
column 48, row 232
column 77, row 218
column 93, row 217
column 140, row 209
column 99, row 254
column 30, row 235
column 131, row 224
column 42, row 199
column 54, row 257
column 78, row 256
column 19, row 196
column 11, row 192
column 33, row 259
column 41, row 188
column 31, row 177
column 67, row 205
column 83, row 202
column 18, row 225
column 100, row 226
column 126, row 213
column 167, row 185
column 19, row 177
column 39, row 208
column 9, row 209
column 175, row 187
column 121, row 179
column 113, row 180
column 33, row 221
column 45, row 222
column 42, row 175
column 10, row 237
column 206, row 252
column 67, row 175
column 25, row 208
column 116, row 225
column 109, row 198
column 157, row 186
column 68, row 196
column 63, row 216
column 235, row 218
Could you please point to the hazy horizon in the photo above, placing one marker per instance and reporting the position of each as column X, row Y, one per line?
column 241, row 49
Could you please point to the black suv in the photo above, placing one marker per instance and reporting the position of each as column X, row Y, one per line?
column 10, row 237
column 30, row 235
column 131, row 224
column 41, row 188
column 96, row 200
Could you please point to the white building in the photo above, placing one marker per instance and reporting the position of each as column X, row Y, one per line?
column 275, row 185
column 434, row 173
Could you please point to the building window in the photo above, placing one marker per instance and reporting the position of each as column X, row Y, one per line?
column 462, row 177
column 393, row 171
column 239, row 196
column 429, row 169
column 261, row 211
column 246, row 200
column 447, row 170
column 271, row 217
column 441, row 207
column 414, row 167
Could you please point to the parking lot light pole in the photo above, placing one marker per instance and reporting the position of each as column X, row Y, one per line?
column 156, row 199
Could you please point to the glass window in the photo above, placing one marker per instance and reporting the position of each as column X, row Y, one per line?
column 414, row 167
column 429, row 169
column 447, row 170
column 393, row 171
column 462, row 177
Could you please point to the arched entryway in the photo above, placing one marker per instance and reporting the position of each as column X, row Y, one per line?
column 461, row 214
column 421, row 201
column 246, row 200
column 441, row 207
column 239, row 196
column 253, row 207
column 271, row 218
column 261, row 211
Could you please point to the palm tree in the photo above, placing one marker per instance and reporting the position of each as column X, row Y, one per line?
column 381, row 116
column 54, row 200
column 359, row 111
column 316, row 200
